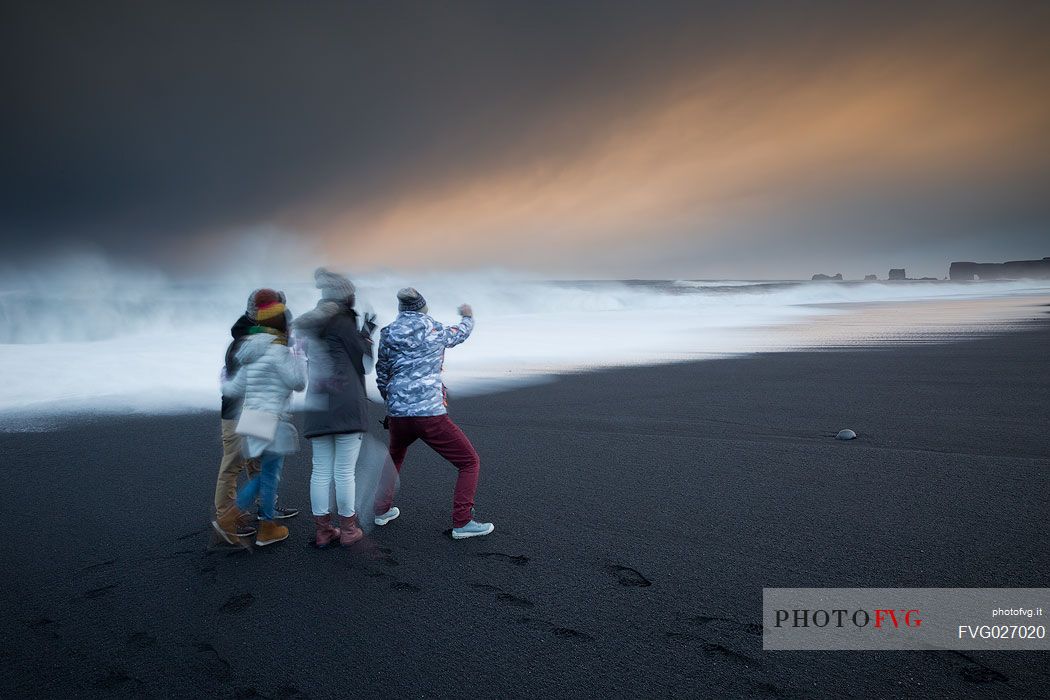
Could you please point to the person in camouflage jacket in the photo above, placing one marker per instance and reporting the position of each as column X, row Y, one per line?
column 408, row 375
column 411, row 353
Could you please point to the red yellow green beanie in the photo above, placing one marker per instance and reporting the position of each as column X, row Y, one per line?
column 268, row 312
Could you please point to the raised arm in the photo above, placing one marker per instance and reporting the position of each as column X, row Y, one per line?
column 453, row 335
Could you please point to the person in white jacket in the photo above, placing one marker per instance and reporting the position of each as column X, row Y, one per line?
column 268, row 375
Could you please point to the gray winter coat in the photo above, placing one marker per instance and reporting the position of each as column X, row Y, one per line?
column 336, row 402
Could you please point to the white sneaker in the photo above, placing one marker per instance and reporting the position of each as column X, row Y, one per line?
column 384, row 518
column 472, row 529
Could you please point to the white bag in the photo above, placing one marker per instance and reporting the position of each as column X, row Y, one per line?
column 257, row 424
column 286, row 440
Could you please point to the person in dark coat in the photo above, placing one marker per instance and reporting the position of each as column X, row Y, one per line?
column 336, row 411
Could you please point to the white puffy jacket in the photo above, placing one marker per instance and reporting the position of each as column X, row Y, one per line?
column 268, row 375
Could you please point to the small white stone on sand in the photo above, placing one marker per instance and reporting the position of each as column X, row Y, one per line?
column 846, row 434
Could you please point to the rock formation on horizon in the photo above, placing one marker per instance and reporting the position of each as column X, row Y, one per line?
column 1012, row 270
column 821, row 278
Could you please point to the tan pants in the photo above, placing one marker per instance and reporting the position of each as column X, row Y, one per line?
column 233, row 462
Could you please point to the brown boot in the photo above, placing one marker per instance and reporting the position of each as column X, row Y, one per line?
column 226, row 524
column 326, row 532
column 349, row 533
column 270, row 532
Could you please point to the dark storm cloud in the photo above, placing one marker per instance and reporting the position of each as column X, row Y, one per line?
column 138, row 126
column 155, row 119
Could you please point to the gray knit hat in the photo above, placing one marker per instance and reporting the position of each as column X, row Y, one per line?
column 408, row 299
column 333, row 287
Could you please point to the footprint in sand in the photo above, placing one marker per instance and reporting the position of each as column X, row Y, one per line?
column 403, row 586
column 515, row 559
column 238, row 603
column 514, row 600
column 207, row 571
column 116, row 678
column 560, row 632
column 628, row 576
column 725, row 651
column 486, row 587
column 220, row 667
column 171, row 555
column 569, row 633
column 709, row 647
column 973, row 671
column 749, row 627
column 141, row 640
column 285, row 692
column 503, row 596
column 99, row 592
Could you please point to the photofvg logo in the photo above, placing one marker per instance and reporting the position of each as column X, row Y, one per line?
column 842, row 617
column 903, row 618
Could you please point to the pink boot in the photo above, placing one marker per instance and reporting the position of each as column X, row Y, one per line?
column 349, row 532
column 326, row 532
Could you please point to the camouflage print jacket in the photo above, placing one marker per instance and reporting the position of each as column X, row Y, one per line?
column 408, row 367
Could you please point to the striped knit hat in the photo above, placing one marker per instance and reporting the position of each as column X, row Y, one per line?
column 272, row 315
column 408, row 299
column 261, row 297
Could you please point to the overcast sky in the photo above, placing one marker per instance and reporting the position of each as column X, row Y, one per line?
column 570, row 139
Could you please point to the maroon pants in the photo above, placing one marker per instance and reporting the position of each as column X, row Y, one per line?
column 445, row 438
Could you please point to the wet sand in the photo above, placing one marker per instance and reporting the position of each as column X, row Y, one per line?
column 639, row 513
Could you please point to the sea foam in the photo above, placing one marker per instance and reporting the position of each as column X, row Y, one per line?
column 93, row 337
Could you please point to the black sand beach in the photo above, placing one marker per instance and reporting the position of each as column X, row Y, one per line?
column 639, row 514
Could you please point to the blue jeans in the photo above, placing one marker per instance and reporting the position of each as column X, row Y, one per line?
column 263, row 486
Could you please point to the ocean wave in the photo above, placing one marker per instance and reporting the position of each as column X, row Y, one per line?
column 92, row 335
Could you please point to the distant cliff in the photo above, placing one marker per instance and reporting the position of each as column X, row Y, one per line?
column 1013, row 270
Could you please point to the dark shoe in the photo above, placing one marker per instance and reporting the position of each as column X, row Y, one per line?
column 226, row 525
column 327, row 534
column 246, row 530
column 246, row 525
column 349, row 532
column 282, row 512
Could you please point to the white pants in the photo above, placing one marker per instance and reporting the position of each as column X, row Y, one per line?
column 335, row 459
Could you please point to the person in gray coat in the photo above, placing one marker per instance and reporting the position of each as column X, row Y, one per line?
column 336, row 411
